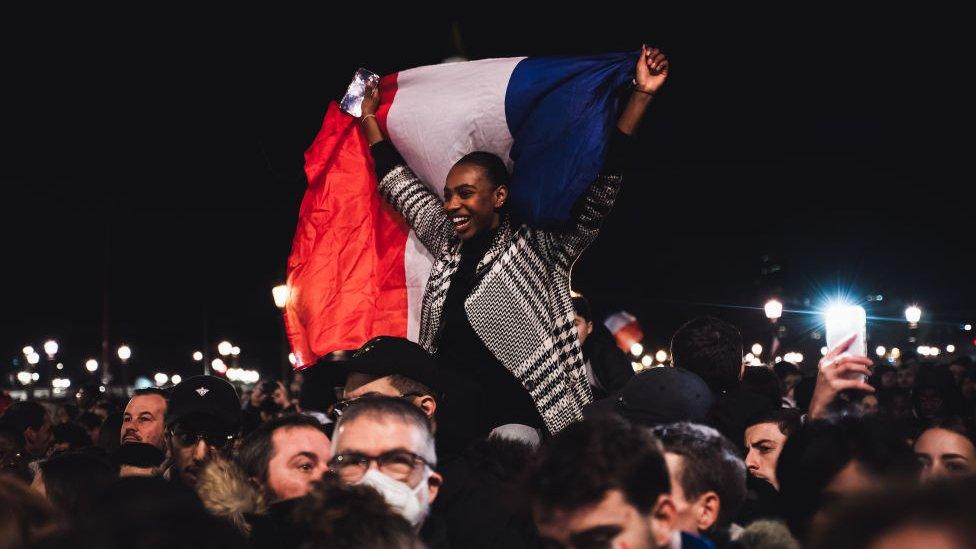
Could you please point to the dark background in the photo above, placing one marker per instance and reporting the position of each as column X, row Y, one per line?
column 160, row 155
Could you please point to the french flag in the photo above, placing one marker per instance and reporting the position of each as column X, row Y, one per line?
column 356, row 270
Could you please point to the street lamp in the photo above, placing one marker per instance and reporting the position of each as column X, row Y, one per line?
column 913, row 314
column 51, row 348
column 125, row 353
column 280, row 294
column 950, row 348
column 176, row 379
column 197, row 356
column 224, row 348
column 24, row 378
column 28, row 350
column 661, row 355
column 636, row 349
column 880, row 351
column 773, row 309
column 218, row 366
column 757, row 349
column 33, row 359
column 160, row 378
column 235, row 351
column 91, row 365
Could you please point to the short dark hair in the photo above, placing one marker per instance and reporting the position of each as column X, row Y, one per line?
column 257, row 449
column 384, row 406
column 408, row 385
column 341, row 516
column 89, row 420
column 764, row 382
column 788, row 420
column 710, row 463
column 25, row 414
column 151, row 391
column 582, row 307
column 75, row 435
column 494, row 167
column 711, row 348
column 74, row 480
column 579, row 465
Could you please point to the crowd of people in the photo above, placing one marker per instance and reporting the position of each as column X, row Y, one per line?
column 707, row 452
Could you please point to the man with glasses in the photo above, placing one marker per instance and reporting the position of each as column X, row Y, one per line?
column 387, row 443
column 203, row 418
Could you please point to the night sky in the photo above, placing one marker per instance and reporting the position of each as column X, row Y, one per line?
column 162, row 153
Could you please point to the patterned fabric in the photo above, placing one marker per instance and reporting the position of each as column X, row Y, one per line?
column 520, row 306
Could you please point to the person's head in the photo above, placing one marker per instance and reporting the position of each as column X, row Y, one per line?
column 388, row 443
column 66, row 413
column 829, row 460
column 937, row 515
column 72, row 481
column 285, row 456
column 336, row 515
column 708, row 478
column 103, row 409
column 70, row 436
column 91, row 423
column 711, row 348
column 764, row 439
column 602, row 482
column 906, row 377
column 203, row 417
column 870, row 404
column 789, row 375
column 658, row 396
column 393, row 367
column 896, row 403
column 144, row 418
column 886, row 376
column 584, row 318
column 34, row 423
column 959, row 367
column 945, row 451
column 764, row 382
column 475, row 193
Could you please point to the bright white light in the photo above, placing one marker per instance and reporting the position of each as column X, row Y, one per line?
column 913, row 314
column 950, row 348
column 756, row 349
column 218, row 365
column 895, row 352
column 280, row 294
column 647, row 361
column 101, row 388
column 224, row 348
column 750, row 357
column 934, row 351
column 880, row 351
column 51, row 347
column 661, row 355
column 35, row 376
column 779, row 359
column 967, row 327
column 637, row 366
column 823, row 351
column 773, row 309
column 160, row 378
column 923, row 350
column 636, row 349
column 91, row 365
column 235, row 351
column 33, row 358
column 28, row 350
column 795, row 358
column 176, row 379
column 291, row 358
column 233, row 374
column 24, row 377
column 60, row 366
column 60, row 383
column 125, row 353
column 197, row 356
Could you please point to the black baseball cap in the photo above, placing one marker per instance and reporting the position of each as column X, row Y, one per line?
column 208, row 398
column 658, row 396
column 388, row 355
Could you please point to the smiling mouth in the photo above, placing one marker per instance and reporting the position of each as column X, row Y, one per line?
column 461, row 222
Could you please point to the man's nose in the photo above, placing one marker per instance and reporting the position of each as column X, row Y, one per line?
column 201, row 450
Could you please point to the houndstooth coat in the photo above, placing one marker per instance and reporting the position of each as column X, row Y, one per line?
column 520, row 305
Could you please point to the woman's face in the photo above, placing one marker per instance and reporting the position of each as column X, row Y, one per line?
column 470, row 201
column 943, row 453
column 764, row 442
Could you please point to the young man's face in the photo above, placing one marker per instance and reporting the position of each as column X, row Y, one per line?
column 300, row 457
column 764, row 443
column 611, row 522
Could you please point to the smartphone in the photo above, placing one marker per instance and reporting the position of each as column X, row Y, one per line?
column 363, row 82
column 844, row 320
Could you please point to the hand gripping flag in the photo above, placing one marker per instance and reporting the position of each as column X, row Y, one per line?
column 355, row 269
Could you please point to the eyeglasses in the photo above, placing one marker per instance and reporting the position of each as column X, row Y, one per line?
column 340, row 407
column 397, row 464
column 187, row 438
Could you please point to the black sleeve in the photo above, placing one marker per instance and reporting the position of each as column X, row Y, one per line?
column 385, row 158
column 620, row 153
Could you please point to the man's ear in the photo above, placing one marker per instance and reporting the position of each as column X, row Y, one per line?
column 664, row 515
column 707, row 509
column 428, row 405
column 434, row 486
column 30, row 435
column 501, row 195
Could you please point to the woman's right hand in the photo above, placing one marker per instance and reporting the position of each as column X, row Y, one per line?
column 371, row 102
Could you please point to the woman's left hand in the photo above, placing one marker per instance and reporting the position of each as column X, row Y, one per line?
column 651, row 71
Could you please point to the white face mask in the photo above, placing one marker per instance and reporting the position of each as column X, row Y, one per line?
column 412, row 503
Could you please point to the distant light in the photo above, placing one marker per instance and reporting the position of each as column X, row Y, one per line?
column 160, row 378
column 224, row 348
column 913, row 314
column 799, row 358
column 895, row 352
column 197, row 356
column 636, row 349
column 637, row 366
column 967, row 327
column 934, row 351
column 24, row 378
column 91, row 365
column 218, row 365
column 922, row 350
column 661, row 355
column 750, row 357
column 879, row 297
column 51, row 347
column 773, row 309
column 28, row 350
column 125, row 353
column 950, row 348
column 176, row 379
column 647, row 361
column 33, row 358
column 823, row 351
column 292, row 359
column 60, row 383
column 235, row 351
column 35, row 376
column 101, row 388
column 233, row 374
column 779, row 359
column 280, row 295
column 880, row 351
column 60, row 366
column 757, row 349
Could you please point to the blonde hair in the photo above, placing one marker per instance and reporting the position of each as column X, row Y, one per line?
column 226, row 492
